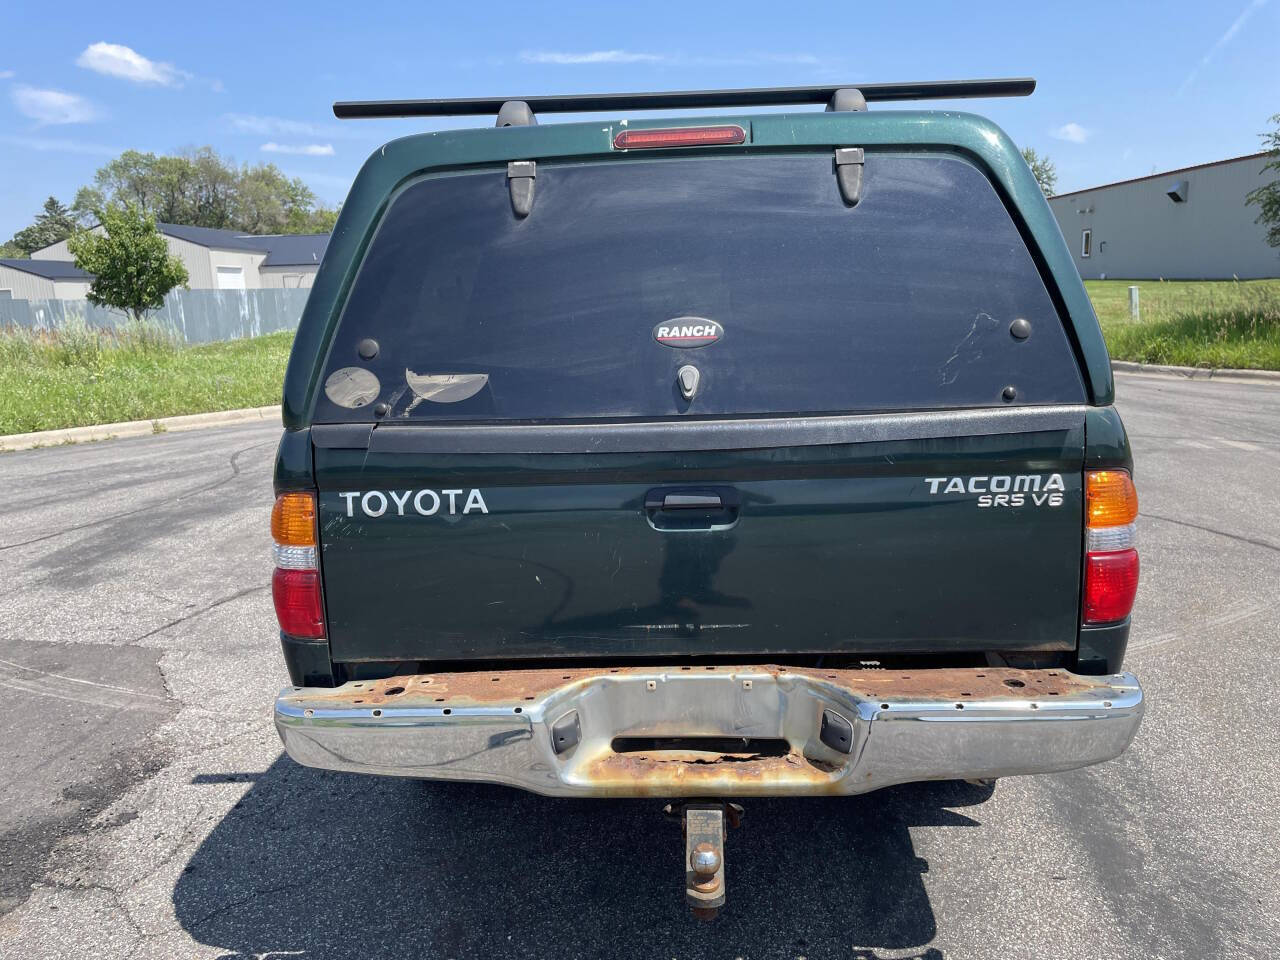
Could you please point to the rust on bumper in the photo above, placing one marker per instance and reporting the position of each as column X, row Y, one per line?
column 514, row 686
column 904, row 725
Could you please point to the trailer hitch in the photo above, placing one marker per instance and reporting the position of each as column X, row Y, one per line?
column 704, row 826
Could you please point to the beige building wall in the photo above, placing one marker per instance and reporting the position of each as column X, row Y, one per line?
column 201, row 262
column 25, row 286
column 246, row 262
column 1135, row 231
column 58, row 251
column 288, row 277
column 195, row 258
column 202, row 265
column 70, row 289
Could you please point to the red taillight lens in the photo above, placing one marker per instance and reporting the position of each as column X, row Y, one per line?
column 679, row 137
column 1110, row 584
column 1111, row 562
column 297, row 597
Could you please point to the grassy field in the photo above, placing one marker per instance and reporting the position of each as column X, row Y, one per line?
column 88, row 377
column 1220, row 323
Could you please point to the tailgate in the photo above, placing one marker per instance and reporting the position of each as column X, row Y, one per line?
column 932, row 543
column 879, row 448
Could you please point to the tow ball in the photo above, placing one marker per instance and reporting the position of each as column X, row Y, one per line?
column 704, row 827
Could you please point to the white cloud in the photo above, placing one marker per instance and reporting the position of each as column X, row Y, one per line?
column 1222, row 41
column 251, row 123
column 280, row 127
column 6, row 74
column 53, row 106
column 117, row 60
column 62, row 145
column 1072, row 133
column 590, row 56
column 302, row 149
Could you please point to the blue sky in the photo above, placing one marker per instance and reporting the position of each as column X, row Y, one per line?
column 1124, row 89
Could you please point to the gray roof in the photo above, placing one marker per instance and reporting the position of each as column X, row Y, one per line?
column 1166, row 173
column 206, row 236
column 295, row 249
column 282, row 250
column 49, row 269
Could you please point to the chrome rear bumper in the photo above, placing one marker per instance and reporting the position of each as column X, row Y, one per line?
column 900, row 726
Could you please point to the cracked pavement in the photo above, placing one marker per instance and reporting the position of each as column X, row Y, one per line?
column 146, row 810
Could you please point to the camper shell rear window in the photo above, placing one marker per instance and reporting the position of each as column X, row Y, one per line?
column 795, row 302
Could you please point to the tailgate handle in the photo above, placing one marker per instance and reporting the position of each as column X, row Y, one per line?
column 692, row 508
column 691, row 501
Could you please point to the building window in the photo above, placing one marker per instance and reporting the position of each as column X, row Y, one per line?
column 1086, row 243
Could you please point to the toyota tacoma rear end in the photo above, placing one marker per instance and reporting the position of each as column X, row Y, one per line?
column 709, row 458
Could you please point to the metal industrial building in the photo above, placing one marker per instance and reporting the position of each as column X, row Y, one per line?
column 215, row 260
column 1185, row 224
column 42, row 280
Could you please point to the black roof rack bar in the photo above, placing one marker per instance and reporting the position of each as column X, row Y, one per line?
column 685, row 99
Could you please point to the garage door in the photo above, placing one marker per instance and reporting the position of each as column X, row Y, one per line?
column 230, row 278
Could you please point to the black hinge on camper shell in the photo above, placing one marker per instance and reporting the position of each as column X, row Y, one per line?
column 848, row 159
column 520, row 173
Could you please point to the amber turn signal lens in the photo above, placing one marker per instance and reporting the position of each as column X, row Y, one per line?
column 1111, row 499
column 293, row 520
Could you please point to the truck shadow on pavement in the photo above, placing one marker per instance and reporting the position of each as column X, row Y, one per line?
column 317, row 864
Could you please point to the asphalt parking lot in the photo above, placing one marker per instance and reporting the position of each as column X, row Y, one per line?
column 146, row 809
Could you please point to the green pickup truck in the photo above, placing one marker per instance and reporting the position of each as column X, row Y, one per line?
column 726, row 456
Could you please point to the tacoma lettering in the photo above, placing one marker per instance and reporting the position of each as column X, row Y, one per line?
column 1004, row 490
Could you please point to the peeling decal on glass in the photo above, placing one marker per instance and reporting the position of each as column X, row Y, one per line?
column 352, row 387
column 444, row 387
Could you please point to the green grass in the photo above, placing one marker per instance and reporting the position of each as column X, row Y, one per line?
column 83, row 376
column 1212, row 323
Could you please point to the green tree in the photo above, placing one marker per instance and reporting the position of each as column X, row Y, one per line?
column 1042, row 169
column 131, row 264
column 200, row 188
column 53, row 224
column 320, row 220
column 266, row 200
column 1267, row 198
column 84, row 208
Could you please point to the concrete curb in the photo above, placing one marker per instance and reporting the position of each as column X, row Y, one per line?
column 136, row 428
column 1197, row 373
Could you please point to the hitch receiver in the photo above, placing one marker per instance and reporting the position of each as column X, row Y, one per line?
column 704, row 827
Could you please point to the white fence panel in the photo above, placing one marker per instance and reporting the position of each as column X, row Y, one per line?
column 196, row 316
